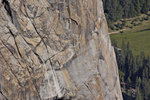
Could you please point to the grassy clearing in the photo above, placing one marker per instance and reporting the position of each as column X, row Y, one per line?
column 139, row 38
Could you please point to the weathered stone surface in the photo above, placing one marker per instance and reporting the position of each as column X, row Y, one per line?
column 52, row 49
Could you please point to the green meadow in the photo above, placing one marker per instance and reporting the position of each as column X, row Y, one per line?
column 138, row 37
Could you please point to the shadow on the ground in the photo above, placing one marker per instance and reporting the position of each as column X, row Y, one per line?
column 144, row 30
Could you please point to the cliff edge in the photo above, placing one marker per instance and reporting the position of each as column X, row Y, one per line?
column 56, row 49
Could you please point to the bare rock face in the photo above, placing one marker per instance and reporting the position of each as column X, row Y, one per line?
column 56, row 49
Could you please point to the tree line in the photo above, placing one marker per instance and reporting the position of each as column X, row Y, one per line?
column 133, row 71
column 117, row 9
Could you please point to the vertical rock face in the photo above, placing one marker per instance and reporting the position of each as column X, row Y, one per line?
column 56, row 49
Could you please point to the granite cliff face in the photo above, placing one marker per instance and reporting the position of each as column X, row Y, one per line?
column 56, row 49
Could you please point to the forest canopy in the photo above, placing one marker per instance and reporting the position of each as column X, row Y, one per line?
column 117, row 9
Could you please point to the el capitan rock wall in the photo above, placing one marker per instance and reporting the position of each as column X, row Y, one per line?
column 52, row 49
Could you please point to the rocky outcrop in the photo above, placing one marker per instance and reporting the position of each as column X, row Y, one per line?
column 56, row 49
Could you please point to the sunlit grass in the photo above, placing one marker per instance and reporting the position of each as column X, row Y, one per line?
column 138, row 37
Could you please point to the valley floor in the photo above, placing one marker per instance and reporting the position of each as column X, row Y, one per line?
column 138, row 37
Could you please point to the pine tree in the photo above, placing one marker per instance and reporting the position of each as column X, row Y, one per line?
column 137, row 6
column 148, row 2
column 123, row 57
column 139, row 95
column 132, row 11
column 117, row 9
column 145, row 6
column 126, row 7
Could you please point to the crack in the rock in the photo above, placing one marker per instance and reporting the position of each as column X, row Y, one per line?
column 11, row 32
column 73, row 20
column 39, row 36
column 89, row 90
column 35, row 28
column 11, row 52
column 36, row 88
column 37, row 45
column 101, row 57
column 54, row 55
column 41, row 61
column 14, row 37
column 34, row 84
column 3, row 95
column 7, row 8
column 19, row 83
column 9, row 47
column 18, row 48
column 11, row 13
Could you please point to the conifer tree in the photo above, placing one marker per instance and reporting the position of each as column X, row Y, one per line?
column 139, row 95
column 137, row 6
column 145, row 6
